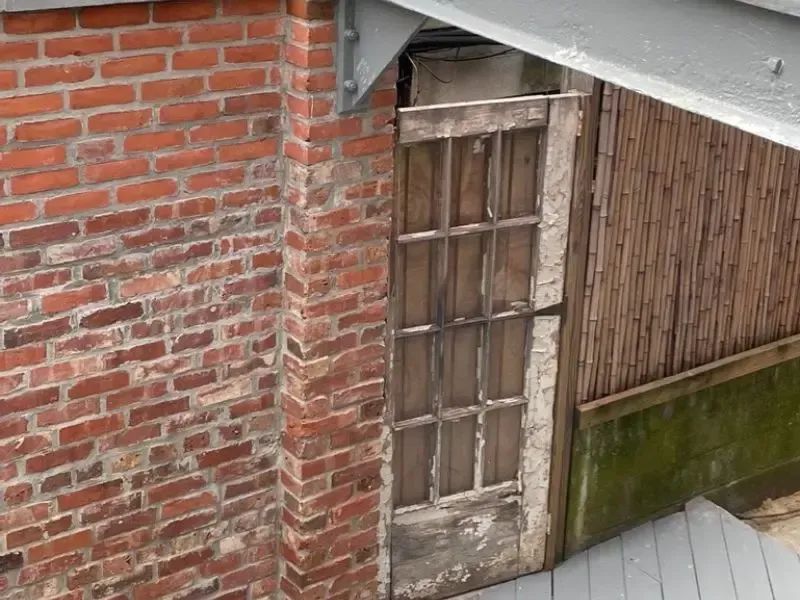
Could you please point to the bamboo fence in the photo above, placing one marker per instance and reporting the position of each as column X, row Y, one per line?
column 693, row 251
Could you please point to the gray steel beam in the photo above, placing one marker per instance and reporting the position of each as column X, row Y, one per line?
column 31, row 5
column 371, row 35
column 727, row 60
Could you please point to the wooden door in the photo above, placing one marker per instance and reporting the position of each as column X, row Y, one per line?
column 482, row 204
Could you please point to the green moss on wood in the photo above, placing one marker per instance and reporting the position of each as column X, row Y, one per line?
column 628, row 470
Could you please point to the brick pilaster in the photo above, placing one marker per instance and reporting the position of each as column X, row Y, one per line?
column 338, row 209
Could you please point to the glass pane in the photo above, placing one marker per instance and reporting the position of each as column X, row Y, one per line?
column 458, row 456
column 419, row 194
column 413, row 362
column 462, row 348
column 502, row 448
column 412, row 457
column 520, row 173
column 415, row 276
column 465, row 277
column 471, row 163
column 513, row 269
column 507, row 358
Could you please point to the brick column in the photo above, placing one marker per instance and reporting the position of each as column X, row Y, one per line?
column 338, row 209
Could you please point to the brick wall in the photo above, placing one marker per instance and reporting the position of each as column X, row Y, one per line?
column 160, row 164
column 338, row 192
column 139, row 298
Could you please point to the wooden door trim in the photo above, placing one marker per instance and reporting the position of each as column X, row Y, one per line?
column 578, row 254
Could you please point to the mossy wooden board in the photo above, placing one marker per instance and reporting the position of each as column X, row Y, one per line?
column 628, row 470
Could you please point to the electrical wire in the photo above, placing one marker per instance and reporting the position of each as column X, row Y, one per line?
column 422, row 57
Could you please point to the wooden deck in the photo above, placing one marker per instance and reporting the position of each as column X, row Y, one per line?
column 704, row 553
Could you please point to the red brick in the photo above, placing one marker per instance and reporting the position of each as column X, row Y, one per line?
column 90, row 495
column 44, row 181
column 22, row 357
column 251, row 103
column 39, row 332
column 309, row 33
column 63, row 301
column 189, row 111
column 99, row 385
column 146, row 191
column 215, row 179
column 184, row 505
column 149, row 142
column 43, row 234
column 11, row 51
column 78, row 46
column 151, row 237
column 368, row 145
column 309, row 58
column 119, row 169
column 62, row 371
column 38, row 22
column 185, row 525
column 60, row 545
column 55, row 74
column 191, row 60
column 248, row 150
column 13, row 309
column 251, row 53
column 270, row 27
column 184, row 10
column 184, row 561
column 184, row 160
column 8, row 79
column 110, row 316
column 131, row 66
column 115, row 15
column 51, row 568
column 149, row 284
column 175, row 488
column 31, row 158
column 22, row 106
column 119, row 121
column 218, row 131
column 102, row 96
column 16, row 212
column 93, row 151
column 149, row 38
column 215, row 32
column 165, row 89
column 19, row 261
column 117, row 220
column 250, row 7
column 213, row 458
column 69, row 412
column 90, row 429
column 239, row 79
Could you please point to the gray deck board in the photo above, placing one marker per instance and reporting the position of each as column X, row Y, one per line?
column 606, row 580
column 642, row 575
column 571, row 579
column 704, row 553
column 747, row 560
column 678, row 580
column 535, row 587
column 783, row 569
column 713, row 569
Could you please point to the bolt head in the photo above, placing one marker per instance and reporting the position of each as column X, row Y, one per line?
column 351, row 35
column 351, row 86
column 775, row 65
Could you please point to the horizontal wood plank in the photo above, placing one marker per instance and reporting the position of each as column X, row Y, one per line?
column 662, row 391
column 462, row 119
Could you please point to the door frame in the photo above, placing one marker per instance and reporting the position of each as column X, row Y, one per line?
column 560, row 117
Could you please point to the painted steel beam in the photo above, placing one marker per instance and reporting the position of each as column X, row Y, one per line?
column 371, row 35
column 30, row 5
column 737, row 63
